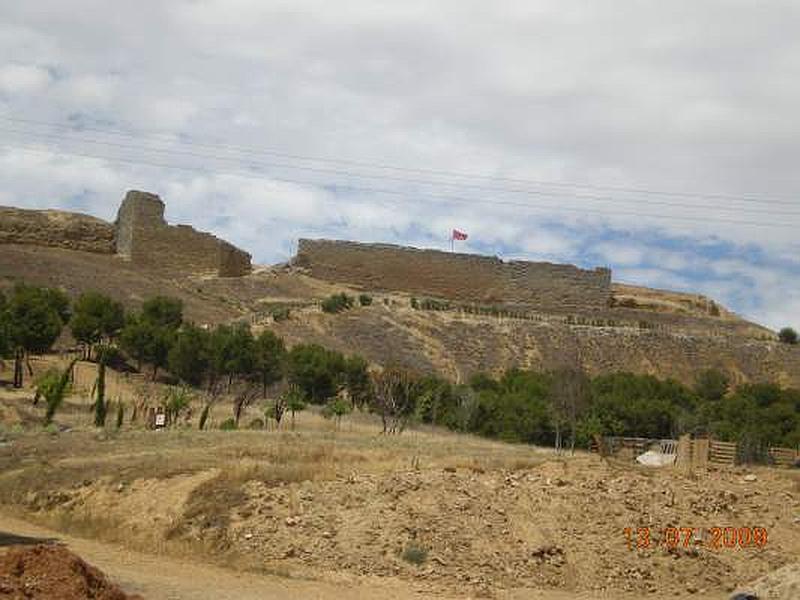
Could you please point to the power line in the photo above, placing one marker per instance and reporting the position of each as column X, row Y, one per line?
column 752, row 198
column 374, row 190
column 350, row 174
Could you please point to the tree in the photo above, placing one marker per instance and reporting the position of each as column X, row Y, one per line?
column 163, row 311
column 231, row 353
column 244, row 397
column 787, row 335
column 711, row 385
column 53, row 386
column 275, row 410
column 356, row 380
column 176, row 401
column 294, row 400
column 96, row 317
column 269, row 355
column 337, row 408
column 33, row 322
column 569, row 396
column 146, row 341
column 315, row 370
column 188, row 358
column 394, row 396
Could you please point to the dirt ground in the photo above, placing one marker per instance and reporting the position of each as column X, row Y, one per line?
column 425, row 514
column 45, row 571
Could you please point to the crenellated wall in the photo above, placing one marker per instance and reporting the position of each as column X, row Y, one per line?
column 145, row 238
column 462, row 277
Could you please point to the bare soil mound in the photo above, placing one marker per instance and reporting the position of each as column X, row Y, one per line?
column 52, row 571
column 783, row 584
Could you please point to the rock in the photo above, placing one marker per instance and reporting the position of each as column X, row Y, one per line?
column 750, row 477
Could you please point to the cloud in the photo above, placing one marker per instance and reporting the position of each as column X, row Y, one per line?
column 221, row 106
column 23, row 79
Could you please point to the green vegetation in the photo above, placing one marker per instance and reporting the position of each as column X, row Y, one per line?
column 30, row 322
column 53, row 386
column 228, row 424
column 295, row 401
column 567, row 406
column 414, row 554
column 336, row 408
column 337, row 303
column 365, row 300
column 269, row 355
column 96, row 318
column 787, row 335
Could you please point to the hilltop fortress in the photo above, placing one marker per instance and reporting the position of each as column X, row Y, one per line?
column 498, row 313
column 462, row 277
column 139, row 235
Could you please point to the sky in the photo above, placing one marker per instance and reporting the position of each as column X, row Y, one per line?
column 660, row 139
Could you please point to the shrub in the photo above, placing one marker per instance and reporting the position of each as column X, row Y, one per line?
column 336, row 408
column 256, row 424
column 280, row 313
column 337, row 303
column 414, row 554
column 228, row 424
column 414, row 303
column 787, row 335
column 365, row 299
column 431, row 304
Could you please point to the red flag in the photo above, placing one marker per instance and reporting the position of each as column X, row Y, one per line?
column 459, row 235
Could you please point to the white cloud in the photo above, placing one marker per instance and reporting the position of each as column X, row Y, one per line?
column 680, row 96
column 23, row 79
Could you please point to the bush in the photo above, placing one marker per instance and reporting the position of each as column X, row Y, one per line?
column 431, row 304
column 280, row 313
column 414, row 554
column 256, row 424
column 414, row 303
column 787, row 335
column 365, row 299
column 228, row 424
column 337, row 303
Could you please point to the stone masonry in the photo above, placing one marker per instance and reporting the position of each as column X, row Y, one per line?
column 462, row 277
column 145, row 238
column 140, row 235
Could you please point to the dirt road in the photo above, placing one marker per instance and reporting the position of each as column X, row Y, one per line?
column 165, row 578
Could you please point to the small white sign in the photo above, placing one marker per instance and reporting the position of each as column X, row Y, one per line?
column 161, row 420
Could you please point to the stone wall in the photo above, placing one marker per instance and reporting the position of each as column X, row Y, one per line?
column 57, row 229
column 145, row 238
column 463, row 277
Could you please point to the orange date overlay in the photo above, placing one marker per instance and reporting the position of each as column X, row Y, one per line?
column 715, row 538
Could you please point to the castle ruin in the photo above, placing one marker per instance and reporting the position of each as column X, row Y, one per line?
column 455, row 276
column 139, row 235
column 144, row 237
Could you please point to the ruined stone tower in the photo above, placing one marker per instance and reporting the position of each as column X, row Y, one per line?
column 145, row 238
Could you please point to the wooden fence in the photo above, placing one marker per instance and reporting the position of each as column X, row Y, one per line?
column 721, row 453
column 690, row 453
column 785, row 457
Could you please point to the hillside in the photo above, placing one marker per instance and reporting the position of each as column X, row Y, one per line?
column 662, row 336
column 490, row 314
